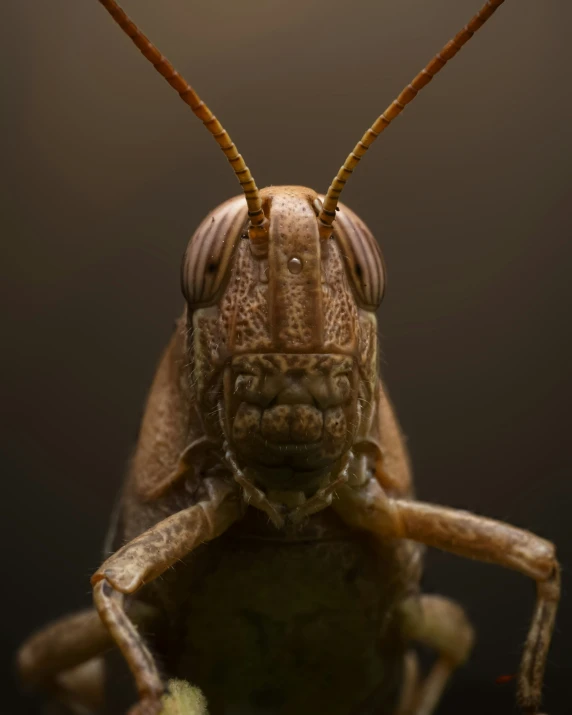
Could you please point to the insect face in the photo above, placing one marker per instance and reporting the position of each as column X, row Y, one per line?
column 283, row 335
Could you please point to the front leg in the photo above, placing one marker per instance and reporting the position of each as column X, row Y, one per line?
column 144, row 559
column 475, row 537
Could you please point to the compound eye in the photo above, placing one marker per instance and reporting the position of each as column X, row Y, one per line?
column 362, row 255
column 207, row 260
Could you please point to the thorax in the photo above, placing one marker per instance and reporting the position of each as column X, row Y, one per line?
column 292, row 621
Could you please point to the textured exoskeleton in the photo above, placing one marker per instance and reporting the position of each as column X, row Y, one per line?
column 268, row 546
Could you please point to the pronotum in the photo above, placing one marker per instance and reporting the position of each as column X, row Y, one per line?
column 268, row 434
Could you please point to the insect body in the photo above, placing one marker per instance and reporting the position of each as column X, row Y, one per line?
column 269, row 434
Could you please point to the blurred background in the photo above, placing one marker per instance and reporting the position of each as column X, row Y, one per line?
column 106, row 175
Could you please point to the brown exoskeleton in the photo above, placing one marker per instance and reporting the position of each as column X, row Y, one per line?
column 269, row 434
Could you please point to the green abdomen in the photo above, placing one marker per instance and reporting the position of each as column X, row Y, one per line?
column 275, row 627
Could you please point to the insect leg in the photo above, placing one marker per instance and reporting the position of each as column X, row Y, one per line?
column 144, row 559
column 475, row 537
column 443, row 625
column 410, row 682
column 63, row 659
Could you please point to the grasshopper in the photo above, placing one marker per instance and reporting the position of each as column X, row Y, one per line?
column 268, row 547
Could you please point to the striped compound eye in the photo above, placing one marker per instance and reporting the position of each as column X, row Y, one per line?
column 362, row 255
column 208, row 257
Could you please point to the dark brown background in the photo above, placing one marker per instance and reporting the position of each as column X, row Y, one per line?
column 106, row 174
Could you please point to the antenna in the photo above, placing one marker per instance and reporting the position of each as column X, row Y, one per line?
column 328, row 212
column 258, row 228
